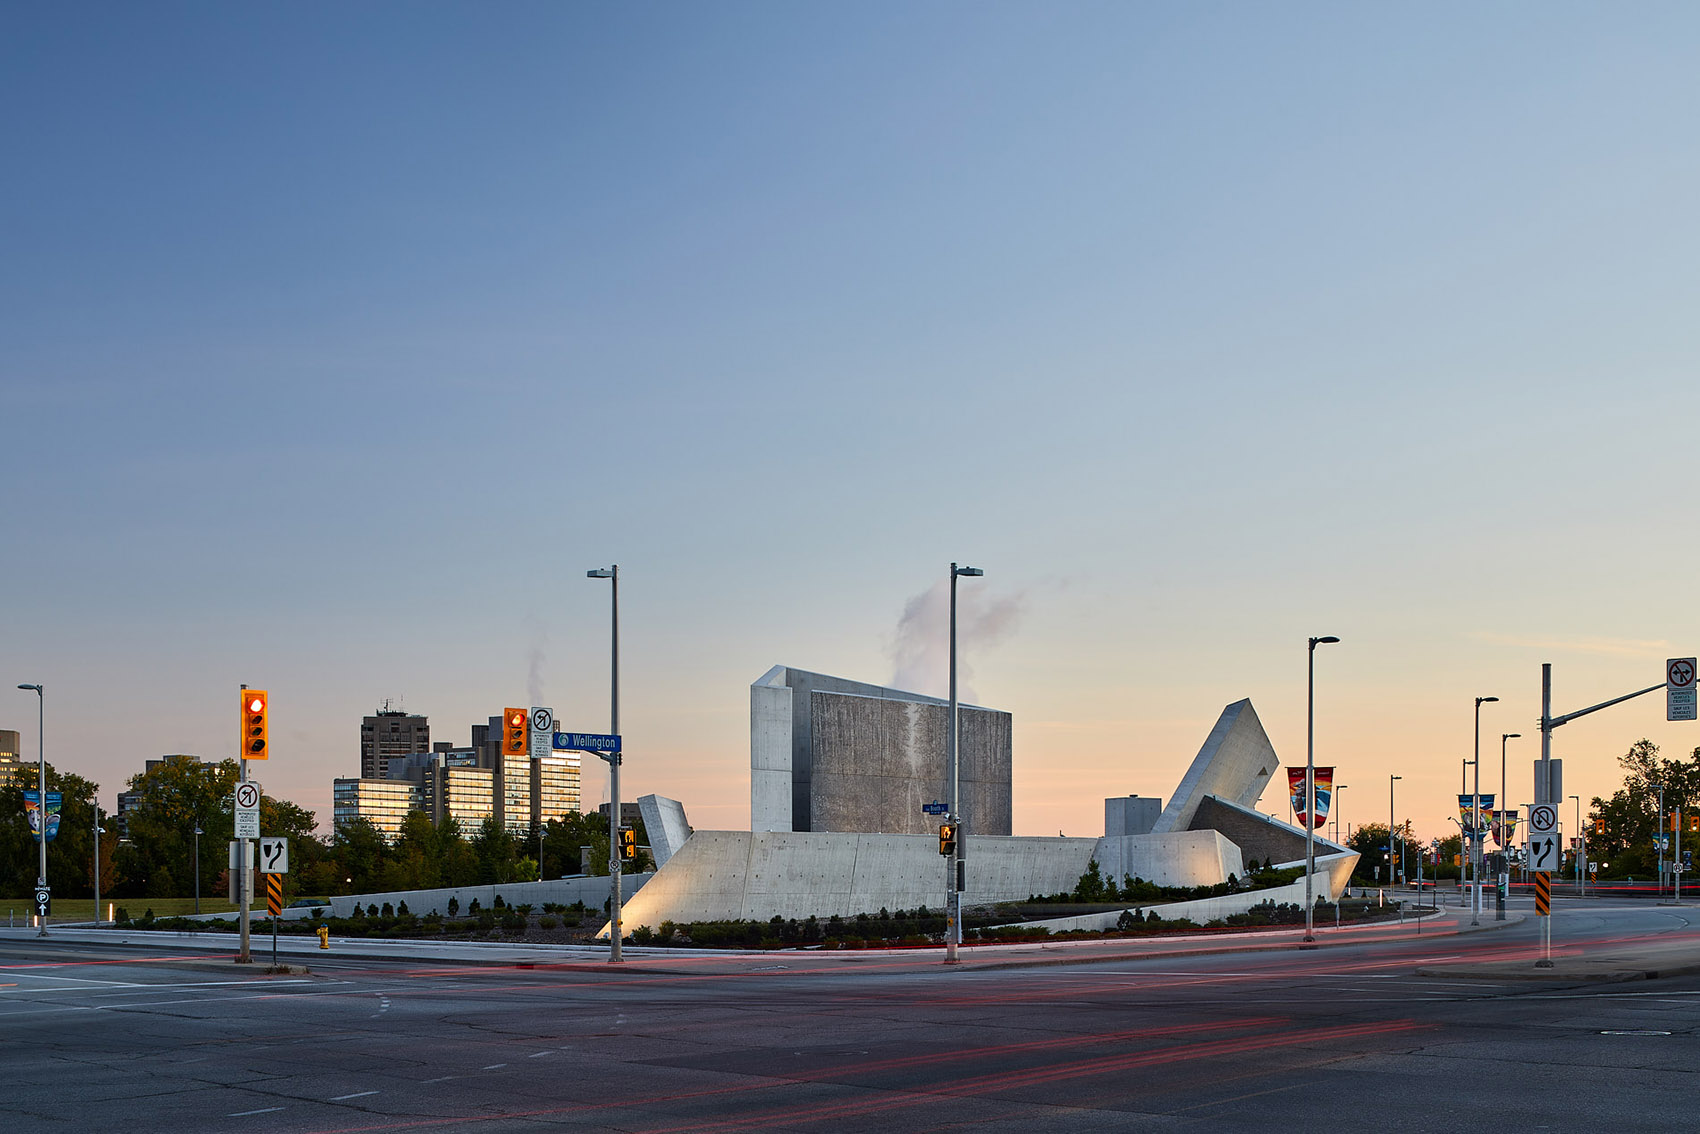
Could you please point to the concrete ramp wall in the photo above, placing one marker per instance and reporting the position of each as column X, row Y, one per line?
column 755, row 876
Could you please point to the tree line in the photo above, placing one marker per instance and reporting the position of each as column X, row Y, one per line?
column 180, row 794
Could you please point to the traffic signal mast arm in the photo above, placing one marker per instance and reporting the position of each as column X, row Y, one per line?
column 1549, row 723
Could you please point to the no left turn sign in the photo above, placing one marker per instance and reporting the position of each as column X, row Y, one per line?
column 1679, row 689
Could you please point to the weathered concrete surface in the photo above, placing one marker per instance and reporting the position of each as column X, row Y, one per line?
column 664, row 820
column 770, row 753
column 1187, row 858
column 722, row 875
column 726, row 875
column 1131, row 814
column 1236, row 763
column 877, row 761
column 828, row 754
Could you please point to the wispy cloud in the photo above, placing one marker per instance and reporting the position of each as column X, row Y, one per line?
column 1617, row 647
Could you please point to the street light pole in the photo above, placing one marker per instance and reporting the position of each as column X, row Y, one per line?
column 1339, row 794
column 1310, row 787
column 955, row 864
column 612, row 574
column 1580, row 844
column 1476, row 819
column 98, row 831
column 198, row 834
column 1390, row 813
column 41, row 790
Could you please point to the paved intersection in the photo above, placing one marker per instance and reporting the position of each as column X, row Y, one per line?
column 167, row 1038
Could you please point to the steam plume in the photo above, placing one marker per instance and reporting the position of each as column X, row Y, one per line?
column 920, row 649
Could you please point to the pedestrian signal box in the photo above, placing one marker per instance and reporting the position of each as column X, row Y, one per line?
column 947, row 838
column 628, row 844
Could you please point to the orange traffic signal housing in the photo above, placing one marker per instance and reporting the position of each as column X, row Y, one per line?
column 255, row 704
column 947, row 838
column 513, row 732
column 628, row 844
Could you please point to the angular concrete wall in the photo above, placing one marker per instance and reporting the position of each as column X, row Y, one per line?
column 1236, row 763
column 664, row 820
column 1189, row 858
column 1257, row 835
column 727, row 875
column 828, row 754
column 722, row 875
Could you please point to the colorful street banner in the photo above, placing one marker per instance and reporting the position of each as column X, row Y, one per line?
column 1324, row 787
column 1472, row 817
column 1505, row 827
column 32, row 808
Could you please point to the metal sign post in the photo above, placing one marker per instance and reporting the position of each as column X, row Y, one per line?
column 1543, row 859
column 604, row 746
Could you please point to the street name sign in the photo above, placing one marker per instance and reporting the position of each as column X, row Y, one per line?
column 586, row 742
column 274, row 856
column 247, row 810
column 1679, row 689
column 934, row 808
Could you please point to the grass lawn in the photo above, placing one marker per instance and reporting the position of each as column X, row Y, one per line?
column 82, row 909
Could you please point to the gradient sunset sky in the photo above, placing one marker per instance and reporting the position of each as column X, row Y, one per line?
column 340, row 340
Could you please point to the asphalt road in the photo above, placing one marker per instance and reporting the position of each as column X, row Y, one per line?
column 1348, row 1036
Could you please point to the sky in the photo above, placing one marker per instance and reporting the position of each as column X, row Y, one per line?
column 340, row 341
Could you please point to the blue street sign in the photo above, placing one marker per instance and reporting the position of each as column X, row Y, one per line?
column 585, row 742
column 934, row 808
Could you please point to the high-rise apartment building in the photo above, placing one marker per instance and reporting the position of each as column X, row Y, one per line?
column 385, row 803
column 468, row 785
column 12, row 764
column 391, row 732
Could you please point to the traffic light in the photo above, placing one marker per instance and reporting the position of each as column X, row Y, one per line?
column 513, row 732
column 254, row 725
column 947, row 838
column 1599, row 826
column 628, row 844
column 1694, row 822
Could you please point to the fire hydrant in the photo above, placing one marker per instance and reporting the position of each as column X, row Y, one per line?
column 324, row 936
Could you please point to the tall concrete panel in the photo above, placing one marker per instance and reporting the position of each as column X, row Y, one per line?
column 664, row 820
column 770, row 753
column 828, row 754
column 1236, row 763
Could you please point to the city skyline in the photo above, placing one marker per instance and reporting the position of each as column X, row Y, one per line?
column 341, row 343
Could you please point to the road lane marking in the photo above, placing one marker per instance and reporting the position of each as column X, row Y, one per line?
column 539, row 1054
column 495, row 1066
column 246, row 1113
column 355, row 1095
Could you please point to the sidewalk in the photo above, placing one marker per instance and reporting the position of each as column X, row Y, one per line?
column 1642, row 960
column 218, row 949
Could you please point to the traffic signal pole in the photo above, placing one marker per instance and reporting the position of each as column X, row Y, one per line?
column 243, row 888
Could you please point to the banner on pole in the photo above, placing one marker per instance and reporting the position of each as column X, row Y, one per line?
column 1324, row 787
column 32, row 809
